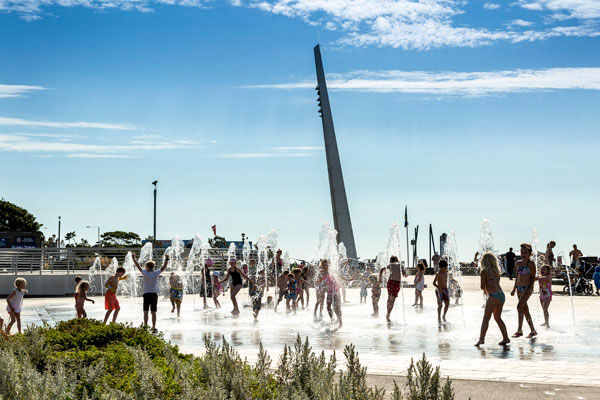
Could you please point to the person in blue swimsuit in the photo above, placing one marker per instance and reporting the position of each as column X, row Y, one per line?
column 490, row 284
column 526, row 275
column 596, row 277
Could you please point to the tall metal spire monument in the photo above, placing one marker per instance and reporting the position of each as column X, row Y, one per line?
column 339, row 201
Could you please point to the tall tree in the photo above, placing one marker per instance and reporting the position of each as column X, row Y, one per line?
column 70, row 236
column 15, row 218
column 120, row 239
column 218, row 242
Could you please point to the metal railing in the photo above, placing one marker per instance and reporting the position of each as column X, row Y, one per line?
column 77, row 259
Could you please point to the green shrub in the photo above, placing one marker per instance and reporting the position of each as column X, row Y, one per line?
column 84, row 359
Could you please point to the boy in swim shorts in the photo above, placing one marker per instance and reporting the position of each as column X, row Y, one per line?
column 441, row 289
column 110, row 297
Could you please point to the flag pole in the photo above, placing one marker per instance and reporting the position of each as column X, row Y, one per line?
column 407, row 241
column 430, row 236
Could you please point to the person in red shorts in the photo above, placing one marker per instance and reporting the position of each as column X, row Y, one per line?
column 393, row 283
column 110, row 298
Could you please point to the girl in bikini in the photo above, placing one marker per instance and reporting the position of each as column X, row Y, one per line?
column 490, row 284
column 524, row 288
column 545, row 280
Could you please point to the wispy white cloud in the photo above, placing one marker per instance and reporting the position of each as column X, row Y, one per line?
column 300, row 148
column 7, row 91
column 96, row 155
column 27, row 143
column 491, row 6
column 258, row 155
column 579, row 9
column 468, row 84
column 519, row 22
column 4, row 121
column 409, row 24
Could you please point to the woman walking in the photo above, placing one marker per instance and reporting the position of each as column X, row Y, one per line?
column 490, row 284
column 526, row 275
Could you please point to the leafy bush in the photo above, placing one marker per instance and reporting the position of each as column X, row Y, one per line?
column 84, row 359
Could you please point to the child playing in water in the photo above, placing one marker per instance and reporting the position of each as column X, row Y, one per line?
column 419, row 285
column 77, row 280
column 110, row 298
column 217, row 289
column 82, row 290
column 255, row 290
column 375, row 293
column 441, row 290
column 455, row 291
column 321, row 290
column 282, row 285
column 596, row 277
column 291, row 293
column 545, row 280
column 15, row 304
column 333, row 295
column 363, row 288
column 175, row 292
column 299, row 287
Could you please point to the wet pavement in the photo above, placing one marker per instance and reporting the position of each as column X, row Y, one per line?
column 564, row 354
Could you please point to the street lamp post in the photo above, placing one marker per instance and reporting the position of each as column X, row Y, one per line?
column 97, row 227
column 154, row 230
column 58, row 243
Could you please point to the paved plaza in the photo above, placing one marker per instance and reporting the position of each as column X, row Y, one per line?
column 562, row 355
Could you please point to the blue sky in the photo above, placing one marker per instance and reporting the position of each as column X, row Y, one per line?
column 462, row 110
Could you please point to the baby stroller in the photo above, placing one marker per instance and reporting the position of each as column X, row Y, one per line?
column 578, row 284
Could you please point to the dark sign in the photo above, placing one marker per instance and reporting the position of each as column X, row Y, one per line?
column 24, row 242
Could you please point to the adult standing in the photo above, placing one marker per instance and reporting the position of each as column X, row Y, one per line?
column 549, row 256
column 510, row 263
column 575, row 254
column 236, row 275
column 490, row 284
column 436, row 262
column 307, row 280
column 526, row 276
column 393, row 283
column 206, row 284
column 151, row 288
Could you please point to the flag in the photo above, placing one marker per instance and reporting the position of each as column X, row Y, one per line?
column 214, row 229
column 405, row 216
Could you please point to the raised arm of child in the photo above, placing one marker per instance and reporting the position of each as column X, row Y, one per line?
column 135, row 262
column 165, row 263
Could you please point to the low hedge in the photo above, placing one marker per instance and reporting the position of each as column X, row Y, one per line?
column 85, row 359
